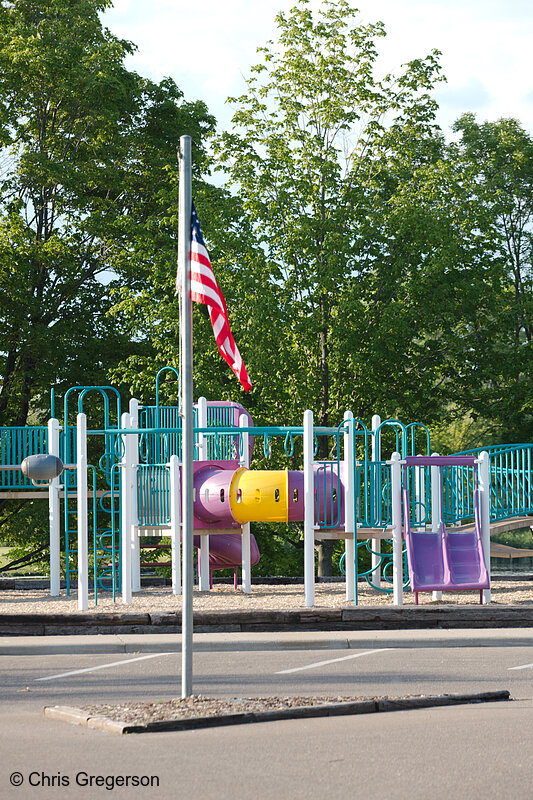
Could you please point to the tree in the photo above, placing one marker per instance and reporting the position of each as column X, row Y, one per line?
column 428, row 278
column 313, row 113
column 500, row 342
column 304, row 132
column 85, row 171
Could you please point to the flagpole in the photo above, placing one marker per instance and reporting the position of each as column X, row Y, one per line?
column 187, row 444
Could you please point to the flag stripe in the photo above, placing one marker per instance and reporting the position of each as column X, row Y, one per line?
column 205, row 289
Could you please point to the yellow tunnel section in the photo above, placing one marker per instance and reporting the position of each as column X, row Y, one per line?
column 262, row 496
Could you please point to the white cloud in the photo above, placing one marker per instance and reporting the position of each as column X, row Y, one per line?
column 472, row 95
column 208, row 47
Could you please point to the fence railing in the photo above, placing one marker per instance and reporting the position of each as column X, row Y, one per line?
column 15, row 444
column 511, row 479
column 511, row 468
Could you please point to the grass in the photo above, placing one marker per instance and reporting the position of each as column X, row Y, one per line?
column 519, row 539
column 5, row 558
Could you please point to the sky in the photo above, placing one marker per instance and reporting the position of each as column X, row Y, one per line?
column 208, row 48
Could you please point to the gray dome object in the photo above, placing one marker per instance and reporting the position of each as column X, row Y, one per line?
column 41, row 467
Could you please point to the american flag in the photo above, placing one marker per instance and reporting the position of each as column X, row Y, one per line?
column 205, row 289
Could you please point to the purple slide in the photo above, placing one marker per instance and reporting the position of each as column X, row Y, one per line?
column 225, row 551
column 443, row 561
column 464, row 555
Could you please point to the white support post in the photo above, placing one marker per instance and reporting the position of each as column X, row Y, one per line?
column 204, row 582
column 83, row 534
column 245, row 531
column 175, row 526
column 436, row 489
column 397, row 543
column 375, row 544
column 132, row 448
column 309, row 511
column 349, row 506
column 420, row 495
column 125, row 527
column 54, row 513
column 202, row 423
column 484, row 493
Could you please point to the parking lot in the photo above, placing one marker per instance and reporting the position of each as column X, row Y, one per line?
column 446, row 752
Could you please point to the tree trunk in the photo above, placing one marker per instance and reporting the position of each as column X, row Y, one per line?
column 325, row 548
column 16, row 391
column 7, row 385
column 325, row 558
column 324, row 361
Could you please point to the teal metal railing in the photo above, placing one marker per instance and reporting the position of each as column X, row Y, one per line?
column 160, row 436
column 15, row 444
column 153, row 494
column 511, row 479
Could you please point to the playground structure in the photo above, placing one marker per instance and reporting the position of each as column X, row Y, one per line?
column 121, row 482
column 439, row 560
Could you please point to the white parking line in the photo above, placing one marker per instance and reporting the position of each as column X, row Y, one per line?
column 102, row 666
column 332, row 661
column 524, row 666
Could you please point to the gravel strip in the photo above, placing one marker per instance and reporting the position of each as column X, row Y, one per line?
column 199, row 711
column 198, row 705
column 263, row 597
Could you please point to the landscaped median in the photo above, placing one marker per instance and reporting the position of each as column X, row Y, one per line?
column 198, row 711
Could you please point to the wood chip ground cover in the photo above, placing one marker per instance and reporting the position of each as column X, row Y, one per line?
column 263, row 597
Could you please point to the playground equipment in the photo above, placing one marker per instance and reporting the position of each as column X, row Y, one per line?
column 99, row 511
column 134, row 488
column 438, row 559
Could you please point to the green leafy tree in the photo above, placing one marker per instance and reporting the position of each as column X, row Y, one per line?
column 429, row 278
column 87, row 147
column 304, row 133
column 87, row 169
column 307, row 126
column 499, row 343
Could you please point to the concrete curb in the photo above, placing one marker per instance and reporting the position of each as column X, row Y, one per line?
column 356, row 618
column 76, row 716
column 283, row 641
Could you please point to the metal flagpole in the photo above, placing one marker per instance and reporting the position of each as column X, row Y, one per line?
column 187, row 444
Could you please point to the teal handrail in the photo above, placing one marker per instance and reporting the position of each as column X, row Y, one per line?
column 16, row 443
column 161, row 371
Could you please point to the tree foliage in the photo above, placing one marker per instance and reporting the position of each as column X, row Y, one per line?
column 500, row 349
column 87, row 150
column 87, row 173
column 366, row 262
column 311, row 122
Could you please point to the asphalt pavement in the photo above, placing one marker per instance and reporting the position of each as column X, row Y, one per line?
column 449, row 753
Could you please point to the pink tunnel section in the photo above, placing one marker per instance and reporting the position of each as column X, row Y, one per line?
column 225, row 550
column 226, row 495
